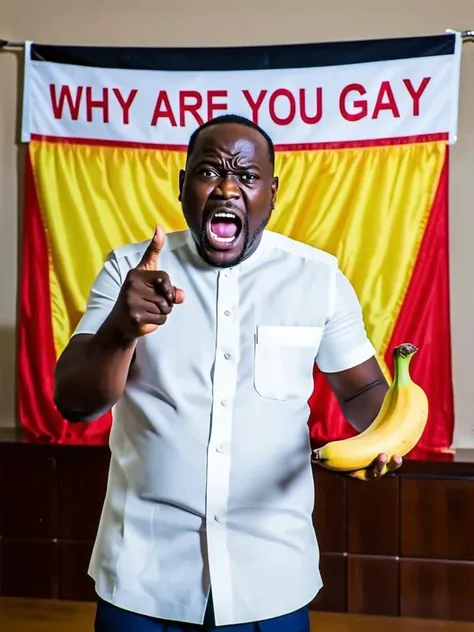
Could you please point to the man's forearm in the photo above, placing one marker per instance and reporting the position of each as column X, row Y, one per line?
column 363, row 407
column 92, row 373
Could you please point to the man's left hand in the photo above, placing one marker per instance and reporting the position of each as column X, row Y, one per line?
column 379, row 467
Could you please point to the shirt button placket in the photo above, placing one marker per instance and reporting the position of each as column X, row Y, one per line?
column 220, row 452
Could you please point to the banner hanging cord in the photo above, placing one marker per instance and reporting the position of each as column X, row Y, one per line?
column 465, row 36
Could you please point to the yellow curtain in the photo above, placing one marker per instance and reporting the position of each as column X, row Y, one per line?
column 368, row 206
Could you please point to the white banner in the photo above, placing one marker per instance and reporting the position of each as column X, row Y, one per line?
column 333, row 104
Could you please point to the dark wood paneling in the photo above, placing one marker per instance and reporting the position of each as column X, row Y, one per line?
column 51, row 498
column 332, row 597
column 329, row 515
column 29, row 569
column 437, row 589
column 437, row 518
column 74, row 582
column 28, row 498
column 373, row 507
column 82, row 485
column 373, row 585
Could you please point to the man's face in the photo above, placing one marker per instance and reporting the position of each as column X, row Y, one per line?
column 228, row 192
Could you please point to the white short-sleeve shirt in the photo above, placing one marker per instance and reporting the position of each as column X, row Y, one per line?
column 210, row 481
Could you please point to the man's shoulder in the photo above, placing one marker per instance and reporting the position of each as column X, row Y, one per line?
column 132, row 253
column 299, row 250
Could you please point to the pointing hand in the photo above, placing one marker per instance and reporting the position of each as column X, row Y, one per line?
column 147, row 296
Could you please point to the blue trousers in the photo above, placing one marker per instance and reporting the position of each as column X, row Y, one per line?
column 109, row 618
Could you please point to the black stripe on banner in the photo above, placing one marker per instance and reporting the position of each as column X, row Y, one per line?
column 247, row 57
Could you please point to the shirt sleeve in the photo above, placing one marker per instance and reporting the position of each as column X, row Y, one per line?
column 102, row 297
column 345, row 343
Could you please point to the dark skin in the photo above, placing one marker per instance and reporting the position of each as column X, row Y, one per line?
column 229, row 170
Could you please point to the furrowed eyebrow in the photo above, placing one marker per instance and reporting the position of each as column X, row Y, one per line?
column 252, row 166
column 212, row 162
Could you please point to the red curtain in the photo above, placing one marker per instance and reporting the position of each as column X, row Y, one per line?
column 424, row 320
column 36, row 352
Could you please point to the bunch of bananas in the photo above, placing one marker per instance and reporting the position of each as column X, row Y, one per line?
column 395, row 431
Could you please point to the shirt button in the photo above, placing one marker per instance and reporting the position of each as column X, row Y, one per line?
column 223, row 402
column 217, row 518
column 227, row 355
column 220, row 449
column 227, row 312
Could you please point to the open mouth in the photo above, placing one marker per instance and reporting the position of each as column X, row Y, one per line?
column 223, row 230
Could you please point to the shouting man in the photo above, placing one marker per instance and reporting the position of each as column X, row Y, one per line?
column 204, row 343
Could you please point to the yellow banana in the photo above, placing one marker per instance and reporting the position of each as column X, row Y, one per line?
column 396, row 430
column 363, row 473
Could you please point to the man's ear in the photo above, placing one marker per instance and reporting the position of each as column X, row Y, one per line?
column 275, row 184
column 182, row 175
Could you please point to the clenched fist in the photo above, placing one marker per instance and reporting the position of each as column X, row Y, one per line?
column 147, row 295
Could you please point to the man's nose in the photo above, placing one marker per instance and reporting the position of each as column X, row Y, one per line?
column 227, row 188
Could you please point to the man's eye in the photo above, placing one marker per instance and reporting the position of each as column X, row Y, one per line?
column 208, row 173
column 248, row 177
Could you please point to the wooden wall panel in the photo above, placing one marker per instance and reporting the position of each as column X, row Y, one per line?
column 28, row 502
column 329, row 515
column 373, row 585
column 74, row 582
column 437, row 589
column 373, row 510
column 437, row 518
column 385, row 547
column 332, row 597
column 81, row 491
column 29, row 569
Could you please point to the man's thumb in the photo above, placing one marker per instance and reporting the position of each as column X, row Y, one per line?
column 150, row 257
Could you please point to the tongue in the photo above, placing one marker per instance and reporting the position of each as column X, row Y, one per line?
column 224, row 229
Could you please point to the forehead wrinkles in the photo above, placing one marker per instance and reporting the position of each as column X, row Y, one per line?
column 228, row 149
column 233, row 142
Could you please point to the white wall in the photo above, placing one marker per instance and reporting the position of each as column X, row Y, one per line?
column 209, row 22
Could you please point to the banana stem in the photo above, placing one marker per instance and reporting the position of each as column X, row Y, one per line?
column 403, row 355
column 316, row 457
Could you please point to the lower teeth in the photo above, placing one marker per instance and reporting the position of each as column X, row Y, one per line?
column 225, row 240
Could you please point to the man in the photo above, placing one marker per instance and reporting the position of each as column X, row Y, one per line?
column 204, row 342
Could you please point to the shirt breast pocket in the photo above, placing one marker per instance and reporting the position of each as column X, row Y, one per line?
column 284, row 359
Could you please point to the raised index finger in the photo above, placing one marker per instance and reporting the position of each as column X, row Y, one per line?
column 149, row 261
